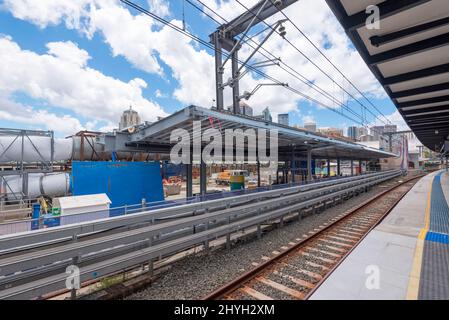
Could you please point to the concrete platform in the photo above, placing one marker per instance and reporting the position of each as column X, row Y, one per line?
column 406, row 256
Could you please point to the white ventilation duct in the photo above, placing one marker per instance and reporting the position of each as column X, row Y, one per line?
column 39, row 149
column 49, row 184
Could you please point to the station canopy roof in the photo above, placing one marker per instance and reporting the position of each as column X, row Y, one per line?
column 409, row 55
column 156, row 136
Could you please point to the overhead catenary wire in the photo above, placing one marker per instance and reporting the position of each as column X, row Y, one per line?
column 294, row 73
column 312, row 85
column 331, row 63
column 210, row 46
column 311, row 61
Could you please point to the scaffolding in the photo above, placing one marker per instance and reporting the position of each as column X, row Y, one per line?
column 22, row 139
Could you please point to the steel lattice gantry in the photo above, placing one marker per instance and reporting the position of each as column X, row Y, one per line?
column 409, row 55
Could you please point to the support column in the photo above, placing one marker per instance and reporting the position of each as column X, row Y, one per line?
column 203, row 178
column 360, row 166
column 293, row 166
column 189, row 183
column 258, row 173
column 328, row 167
column 218, row 71
column 352, row 167
column 309, row 164
column 235, row 83
column 338, row 167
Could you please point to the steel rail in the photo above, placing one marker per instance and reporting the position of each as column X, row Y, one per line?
column 247, row 276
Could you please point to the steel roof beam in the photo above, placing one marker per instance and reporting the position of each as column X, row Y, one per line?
column 245, row 20
column 431, row 124
column 419, row 74
column 417, row 112
column 387, row 8
column 379, row 40
column 421, row 90
column 414, row 103
column 425, row 119
column 410, row 49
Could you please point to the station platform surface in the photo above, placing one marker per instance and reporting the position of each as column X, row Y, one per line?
column 404, row 257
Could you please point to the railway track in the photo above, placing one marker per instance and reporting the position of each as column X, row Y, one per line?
column 33, row 264
column 299, row 270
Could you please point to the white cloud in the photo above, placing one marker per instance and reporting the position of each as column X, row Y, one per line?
column 69, row 52
column 48, row 12
column 159, row 7
column 62, row 79
column 129, row 36
column 308, row 119
column 144, row 43
column 158, row 93
column 325, row 31
column 16, row 112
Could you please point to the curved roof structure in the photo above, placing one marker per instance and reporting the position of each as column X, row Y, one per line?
column 409, row 55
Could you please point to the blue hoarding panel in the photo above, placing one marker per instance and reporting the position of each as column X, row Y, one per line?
column 125, row 183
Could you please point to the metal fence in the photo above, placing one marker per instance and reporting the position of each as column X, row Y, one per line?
column 43, row 223
column 30, row 274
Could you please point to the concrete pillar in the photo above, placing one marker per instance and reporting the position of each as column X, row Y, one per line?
column 203, row 178
column 328, row 167
column 309, row 164
column 338, row 167
column 352, row 167
column 360, row 166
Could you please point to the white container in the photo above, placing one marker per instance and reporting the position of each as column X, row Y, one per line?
column 77, row 209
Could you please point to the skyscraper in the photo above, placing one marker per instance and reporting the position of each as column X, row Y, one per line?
column 377, row 131
column 353, row 133
column 283, row 119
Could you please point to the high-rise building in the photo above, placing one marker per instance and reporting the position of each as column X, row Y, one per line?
column 353, row 133
column 266, row 115
column 390, row 128
column 245, row 109
column 356, row 132
column 377, row 131
column 130, row 118
column 362, row 132
column 283, row 119
column 310, row 126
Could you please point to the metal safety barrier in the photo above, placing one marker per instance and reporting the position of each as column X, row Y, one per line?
column 30, row 274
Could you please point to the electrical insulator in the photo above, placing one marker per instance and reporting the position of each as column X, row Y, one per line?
column 282, row 31
column 278, row 3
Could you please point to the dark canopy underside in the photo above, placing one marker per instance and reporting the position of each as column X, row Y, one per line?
column 409, row 55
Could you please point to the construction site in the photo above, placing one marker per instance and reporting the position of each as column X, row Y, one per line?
column 266, row 210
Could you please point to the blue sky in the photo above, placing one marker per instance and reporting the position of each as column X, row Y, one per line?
column 109, row 58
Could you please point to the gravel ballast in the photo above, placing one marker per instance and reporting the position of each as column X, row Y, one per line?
column 196, row 276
